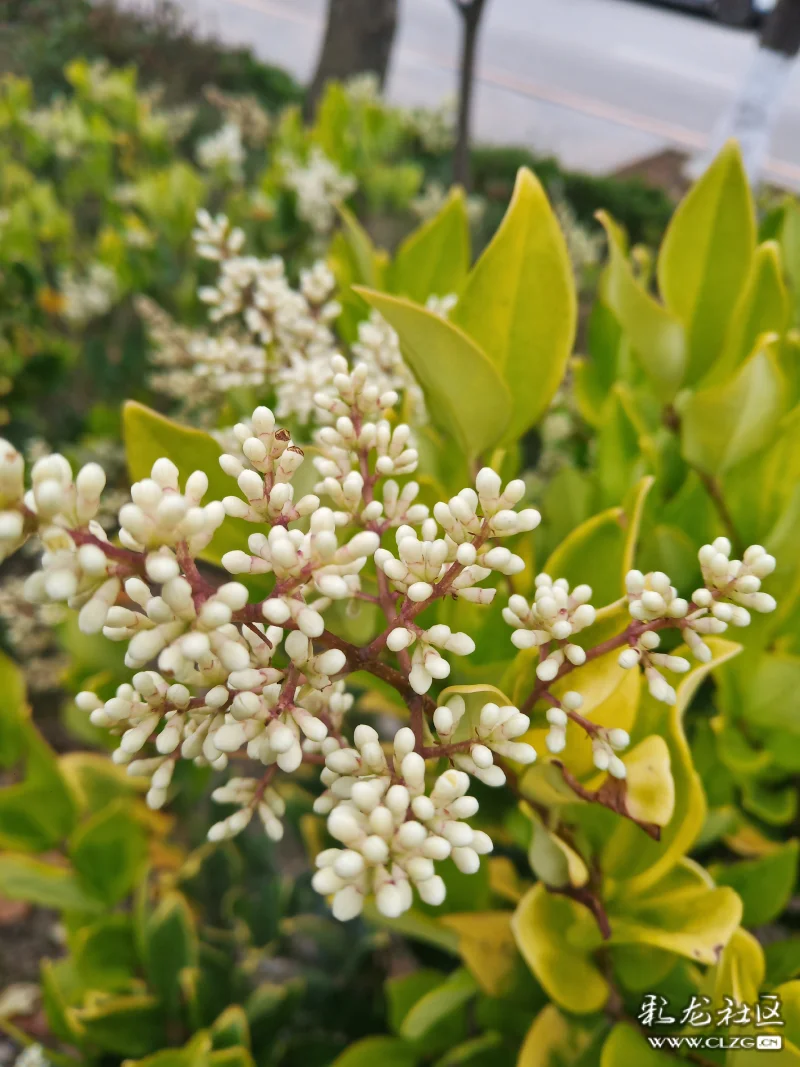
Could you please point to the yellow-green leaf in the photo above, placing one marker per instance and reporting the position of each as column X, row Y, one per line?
column 149, row 436
column 128, row 1025
column 555, row 1041
column 625, row 1047
column 705, row 257
column 434, row 259
column 552, row 860
column 369, row 1051
column 763, row 307
column 557, row 938
column 656, row 336
column 739, row 972
column 724, row 424
column 650, row 793
column 681, row 913
column 25, row 878
column 433, row 1007
column 519, row 303
column 486, row 945
column 466, row 395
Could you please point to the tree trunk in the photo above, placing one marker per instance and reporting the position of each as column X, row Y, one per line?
column 470, row 12
column 358, row 39
column 752, row 115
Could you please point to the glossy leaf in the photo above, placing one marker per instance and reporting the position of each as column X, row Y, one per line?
column 434, row 259
column 433, row 1007
column 724, row 424
column 465, row 393
column 681, row 913
column 656, row 336
column 765, row 885
column 705, row 257
column 625, row 1047
column 486, row 945
column 557, row 938
column 557, row 1041
column 650, row 793
column 519, row 304
column 387, row 1051
column 763, row 307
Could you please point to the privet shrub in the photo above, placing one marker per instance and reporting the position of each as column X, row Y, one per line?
column 500, row 704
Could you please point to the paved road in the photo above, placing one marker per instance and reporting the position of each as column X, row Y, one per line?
column 598, row 83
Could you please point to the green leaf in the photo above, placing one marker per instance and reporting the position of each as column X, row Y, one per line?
column 148, row 436
column 705, row 257
column 593, row 552
column 519, row 303
column 231, row 1028
column 129, row 1026
column 763, row 307
column 656, row 336
column 25, row 878
column 386, row 1051
column 13, row 712
column 366, row 261
column 435, row 1006
column 625, row 1047
column 483, row 1051
column 555, row 1041
column 765, row 885
column 465, row 393
column 682, row 913
column 782, row 960
column 230, row 1057
column 724, row 424
column 105, row 955
column 109, row 852
column 557, row 937
column 403, row 993
column 552, row 860
column 434, row 259
column 171, row 945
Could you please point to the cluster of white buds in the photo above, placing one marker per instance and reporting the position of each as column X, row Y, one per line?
column 495, row 733
column 159, row 515
column 553, row 617
column 249, row 797
column 642, row 653
column 56, row 507
column 605, row 743
column 392, row 832
column 426, row 662
column 651, row 596
column 732, row 589
column 273, row 461
column 557, row 718
column 734, row 580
